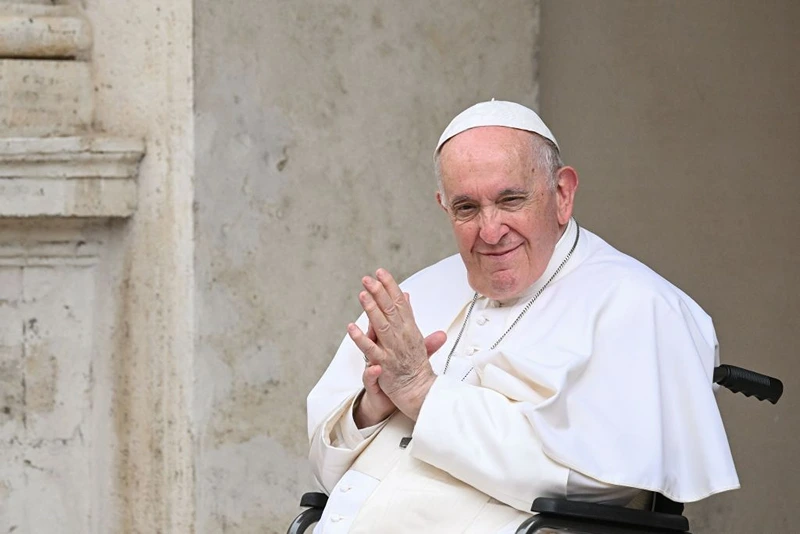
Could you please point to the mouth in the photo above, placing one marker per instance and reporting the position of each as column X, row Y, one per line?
column 502, row 254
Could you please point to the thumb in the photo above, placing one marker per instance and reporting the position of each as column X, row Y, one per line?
column 370, row 378
column 434, row 342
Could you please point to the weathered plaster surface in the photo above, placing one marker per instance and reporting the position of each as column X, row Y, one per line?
column 47, row 354
column 315, row 123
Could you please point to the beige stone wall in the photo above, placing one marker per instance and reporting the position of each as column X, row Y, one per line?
column 315, row 127
column 96, row 287
column 683, row 119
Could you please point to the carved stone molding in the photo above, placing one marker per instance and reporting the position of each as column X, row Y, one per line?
column 91, row 176
column 45, row 77
column 45, row 97
column 43, row 31
column 49, row 253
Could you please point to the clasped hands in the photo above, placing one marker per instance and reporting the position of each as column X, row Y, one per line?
column 398, row 374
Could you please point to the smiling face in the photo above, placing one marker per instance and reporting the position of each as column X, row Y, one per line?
column 506, row 215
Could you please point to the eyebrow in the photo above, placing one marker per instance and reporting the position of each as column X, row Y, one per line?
column 459, row 199
column 511, row 192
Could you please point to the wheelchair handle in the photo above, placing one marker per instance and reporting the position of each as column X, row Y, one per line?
column 749, row 383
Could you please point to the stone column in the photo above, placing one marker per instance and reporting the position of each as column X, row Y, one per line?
column 143, row 87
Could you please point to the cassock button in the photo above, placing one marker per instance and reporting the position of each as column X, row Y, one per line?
column 473, row 349
column 482, row 320
column 345, row 489
column 336, row 518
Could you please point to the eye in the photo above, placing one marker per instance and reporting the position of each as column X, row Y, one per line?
column 511, row 202
column 464, row 211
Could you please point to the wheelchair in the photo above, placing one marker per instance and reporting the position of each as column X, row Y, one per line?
column 554, row 516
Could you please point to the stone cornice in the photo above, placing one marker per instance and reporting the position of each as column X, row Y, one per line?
column 92, row 176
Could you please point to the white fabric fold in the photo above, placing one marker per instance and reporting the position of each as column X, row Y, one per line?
column 480, row 437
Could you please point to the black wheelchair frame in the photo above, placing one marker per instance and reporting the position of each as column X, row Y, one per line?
column 554, row 516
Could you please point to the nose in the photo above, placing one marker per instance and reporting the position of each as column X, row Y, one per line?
column 492, row 227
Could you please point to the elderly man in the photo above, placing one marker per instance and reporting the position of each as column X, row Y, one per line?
column 539, row 361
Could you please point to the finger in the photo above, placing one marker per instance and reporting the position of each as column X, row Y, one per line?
column 371, row 333
column 364, row 344
column 386, row 303
column 370, row 379
column 407, row 296
column 388, row 282
column 376, row 317
column 434, row 342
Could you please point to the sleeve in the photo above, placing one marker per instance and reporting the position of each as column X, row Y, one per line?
column 483, row 438
column 336, row 444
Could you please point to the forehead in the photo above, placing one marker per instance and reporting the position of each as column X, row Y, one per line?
column 488, row 153
column 487, row 141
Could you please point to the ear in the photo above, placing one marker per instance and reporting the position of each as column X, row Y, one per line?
column 566, row 186
column 440, row 201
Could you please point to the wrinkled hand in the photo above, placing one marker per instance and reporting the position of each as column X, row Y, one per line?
column 399, row 374
column 374, row 405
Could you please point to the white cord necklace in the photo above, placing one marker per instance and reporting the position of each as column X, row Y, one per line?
column 523, row 312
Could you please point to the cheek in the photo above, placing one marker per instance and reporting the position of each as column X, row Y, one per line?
column 523, row 224
column 537, row 231
column 465, row 235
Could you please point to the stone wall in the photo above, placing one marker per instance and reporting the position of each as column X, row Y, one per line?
column 95, row 267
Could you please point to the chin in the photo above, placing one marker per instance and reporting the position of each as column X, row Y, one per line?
column 503, row 286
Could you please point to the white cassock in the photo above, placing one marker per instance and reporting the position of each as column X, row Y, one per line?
column 603, row 389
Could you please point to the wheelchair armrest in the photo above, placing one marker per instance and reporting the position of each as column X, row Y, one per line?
column 314, row 500
column 616, row 515
column 314, row 504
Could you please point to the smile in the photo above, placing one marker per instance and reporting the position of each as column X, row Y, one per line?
column 501, row 255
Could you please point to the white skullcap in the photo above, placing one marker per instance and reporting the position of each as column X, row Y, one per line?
column 496, row 113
